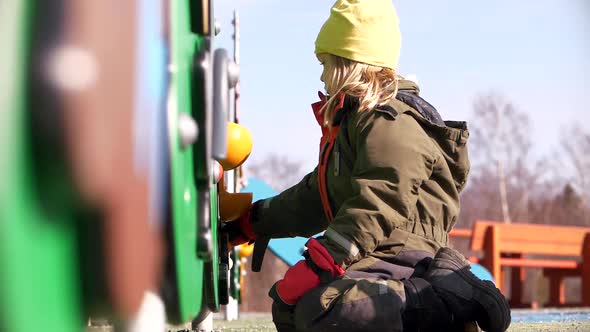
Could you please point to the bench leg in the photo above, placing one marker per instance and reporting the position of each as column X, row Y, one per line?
column 491, row 259
column 502, row 279
column 517, row 280
column 556, row 290
column 586, row 271
column 586, row 283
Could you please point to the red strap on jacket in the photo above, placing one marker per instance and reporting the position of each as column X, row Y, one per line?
column 326, row 146
column 319, row 116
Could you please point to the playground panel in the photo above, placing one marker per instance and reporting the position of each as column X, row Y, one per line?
column 38, row 253
column 58, row 260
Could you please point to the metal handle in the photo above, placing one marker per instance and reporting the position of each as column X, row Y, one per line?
column 225, row 77
column 202, row 110
column 203, row 114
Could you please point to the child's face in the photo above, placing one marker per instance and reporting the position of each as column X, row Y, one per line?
column 323, row 58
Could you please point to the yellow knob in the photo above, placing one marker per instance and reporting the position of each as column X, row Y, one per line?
column 245, row 250
column 239, row 146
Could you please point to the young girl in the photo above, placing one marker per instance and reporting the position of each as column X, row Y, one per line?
column 386, row 193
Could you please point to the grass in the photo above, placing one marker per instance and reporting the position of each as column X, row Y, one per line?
column 264, row 324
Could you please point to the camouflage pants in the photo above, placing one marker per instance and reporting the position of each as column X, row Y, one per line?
column 370, row 296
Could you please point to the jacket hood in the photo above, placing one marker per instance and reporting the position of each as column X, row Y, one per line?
column 408, row 86
column 449, row 136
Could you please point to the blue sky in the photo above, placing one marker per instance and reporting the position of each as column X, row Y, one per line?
column 535, row 53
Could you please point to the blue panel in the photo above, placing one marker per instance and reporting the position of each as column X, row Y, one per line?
column 481, row 272
column 259, row 188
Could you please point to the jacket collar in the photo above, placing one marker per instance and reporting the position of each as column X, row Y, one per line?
column 351, row 103
column 345, row 102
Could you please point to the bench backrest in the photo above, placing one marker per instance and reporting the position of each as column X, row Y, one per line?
column 537, row 239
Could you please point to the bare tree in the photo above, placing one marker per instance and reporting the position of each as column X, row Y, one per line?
column 500, row 148
column 576, row 157
column 276, row 170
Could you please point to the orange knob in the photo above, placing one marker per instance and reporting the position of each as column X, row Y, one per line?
column 239, row 146
column 232, row 205
column 245, row 250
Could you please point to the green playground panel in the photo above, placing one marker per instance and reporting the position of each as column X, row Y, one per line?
column 187, row 97
column 38, row 253
column 39, row 278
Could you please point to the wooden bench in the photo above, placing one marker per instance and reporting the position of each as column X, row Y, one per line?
column 564, row 252
column 475, row 235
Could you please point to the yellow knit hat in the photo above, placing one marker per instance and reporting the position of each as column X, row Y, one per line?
column 365, row 31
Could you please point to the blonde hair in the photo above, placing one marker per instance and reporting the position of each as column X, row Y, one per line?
column 372, row 85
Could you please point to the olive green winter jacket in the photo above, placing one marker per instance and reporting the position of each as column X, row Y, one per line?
column 393, row 181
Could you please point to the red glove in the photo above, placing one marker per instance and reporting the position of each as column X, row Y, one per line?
column 305, row 275
column 240, row 231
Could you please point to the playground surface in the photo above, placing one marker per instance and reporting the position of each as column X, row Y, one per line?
column 570, row 320
column 550, row 320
